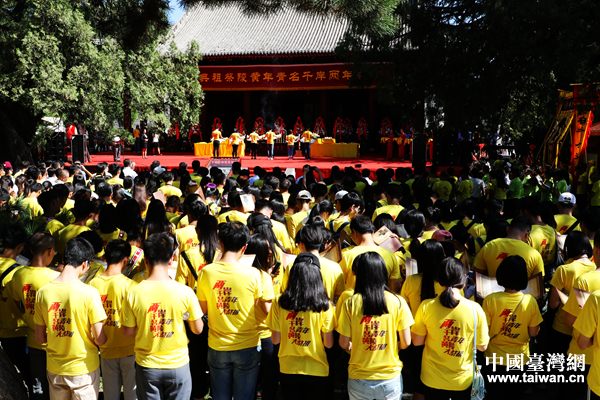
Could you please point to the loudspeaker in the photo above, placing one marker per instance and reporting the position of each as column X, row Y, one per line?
column 55, row 148
column 445, row 149
column 77, row 148
column 419, row 151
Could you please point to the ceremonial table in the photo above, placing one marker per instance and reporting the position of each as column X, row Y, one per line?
column 329, row 148
column 203, row 149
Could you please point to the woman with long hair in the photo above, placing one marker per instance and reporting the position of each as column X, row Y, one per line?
column 140, row 194
column 302, row 322
column 259, row 223
column 108, row 225
column 156, row 220
column 446, row 326
column 323, row 209
column 269, row 371
column 433, row 218
column 370, row 323
column 129, row 216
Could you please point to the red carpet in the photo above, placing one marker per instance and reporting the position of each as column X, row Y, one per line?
column 372, row 162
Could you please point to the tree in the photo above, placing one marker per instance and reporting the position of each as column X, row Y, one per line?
column 82, row 61
column 477, row 65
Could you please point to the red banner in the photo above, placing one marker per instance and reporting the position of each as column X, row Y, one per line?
column 276, row 77
column 585, row 98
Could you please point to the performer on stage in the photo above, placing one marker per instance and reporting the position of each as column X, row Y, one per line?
column 271, row 136
column 235, row 140
column 254, row 138
column 390, row 144
column 144, row 144
column 216, row 139
column 401, row 145
column 307, row 137
column 117, row 148
column 291, row 144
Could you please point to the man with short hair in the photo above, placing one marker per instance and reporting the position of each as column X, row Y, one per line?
column 115, row 170
column 116, row 355
column 236, row 209
column 168, row 189
column 82, row 211
column 229, row 292
column 543, row 236
column 128, row 168
column 68, row 314
column 155, row 312
column 515, row 244
column 565, row 219
column 23, row 289
column 393, row 197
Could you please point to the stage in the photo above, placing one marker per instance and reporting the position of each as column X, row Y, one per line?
column 172, row 160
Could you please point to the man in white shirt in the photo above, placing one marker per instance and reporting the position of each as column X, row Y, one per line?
column 478, row 185
column 128, row 168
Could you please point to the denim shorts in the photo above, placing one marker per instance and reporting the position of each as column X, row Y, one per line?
column 367, row 389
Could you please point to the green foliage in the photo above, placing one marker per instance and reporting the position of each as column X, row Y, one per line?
column 84, row 61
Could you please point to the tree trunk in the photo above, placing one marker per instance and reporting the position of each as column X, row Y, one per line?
column 17, row 129
column 11, row 383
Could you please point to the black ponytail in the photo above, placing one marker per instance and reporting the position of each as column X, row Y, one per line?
column 451, row 275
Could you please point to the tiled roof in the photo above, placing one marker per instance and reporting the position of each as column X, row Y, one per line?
column 228, row 31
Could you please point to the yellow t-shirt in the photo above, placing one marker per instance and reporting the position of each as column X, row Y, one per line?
column 543, row 239
column 295, row 223
column 138, row 263
column 281, row 234
column 392, row 209
column 52, row 227
column 563, row 279
column 68, row 310
column 301, row 351
column 183, row 274
column 253, row 137
column 595, row 199
column 115, row 181
column 443, row 189
column 448, row 225
column 140, row 276
column 11, row 320
column 514, row 339
column 169, row 190
column 391, row 263
column 588, row 326
column 231, row 291
column 374, row 354
column 157, row 309
column 270, row 135
column 235, row 139
column 32, row 204
column 290, row 139
column 307, row 135
column 66, row 234
column 496, row 251
column 411, row 291
column 263, row 330
column 590, row 282
column 25, row 283
column 113, row 290
column 331, row 272
column 564, row 222
column 216, row 135
column 495, row 191
column 448, row 354
column 465, row 188
column 233, row 215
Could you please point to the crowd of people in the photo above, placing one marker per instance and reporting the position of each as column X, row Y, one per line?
column 276, row 285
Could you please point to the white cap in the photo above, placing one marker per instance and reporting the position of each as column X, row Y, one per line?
column 340, row 194
column 567, row 198
column 158, row 170
column 304, row 195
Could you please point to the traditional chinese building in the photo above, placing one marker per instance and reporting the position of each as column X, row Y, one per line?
column 271, row 66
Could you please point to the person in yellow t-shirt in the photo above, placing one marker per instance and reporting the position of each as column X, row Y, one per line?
column 381, row 316
column 543, row 236
column 271, row 136
column 515, row 243
column 394, row 195
column 216, row 138
column 443, row 187
column 168, row 189
column 465, row 187
column 565, row 219
column 236, row 209
column 254, row 138
column 307, row 138
column 30, row 201
column 309, row 240
column 155, row 311
column 279, row 229
column 303, row 200
column 362, row 234
column 291, row 140
column 22, row 289
column 579, row 250
column 512, row 318
column 13, row 328
column 82, row 211
column 447, row 371
column 302, row 321
column 50, row 203
column 68, row 314
column 229, row 293
column 235, row 139
column 588, row 324
column 116, row 355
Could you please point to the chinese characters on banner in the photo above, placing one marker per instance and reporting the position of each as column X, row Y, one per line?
column 275, row 77
column 584, row 98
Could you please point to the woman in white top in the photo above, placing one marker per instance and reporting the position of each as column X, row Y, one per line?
column 155, row 143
